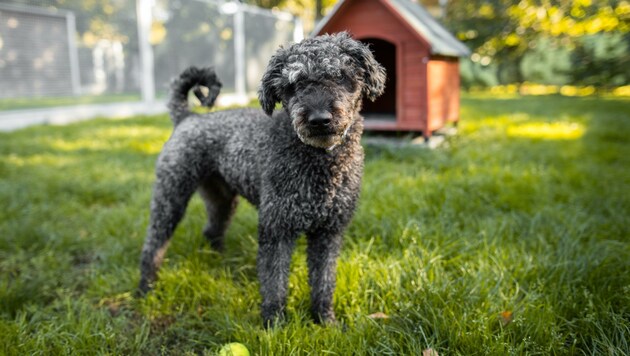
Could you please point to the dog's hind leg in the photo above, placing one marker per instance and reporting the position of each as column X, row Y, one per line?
column 221, row 202
column 171, row 194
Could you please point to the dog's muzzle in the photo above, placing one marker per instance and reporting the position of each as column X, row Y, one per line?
column 321, row 136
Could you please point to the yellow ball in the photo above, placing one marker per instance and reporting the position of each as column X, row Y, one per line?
column 234, row 349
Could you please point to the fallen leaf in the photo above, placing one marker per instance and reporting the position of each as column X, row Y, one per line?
column 114, row 309
column 429, row 352
column 506, row 317
column 378, row 315
column 161, row 323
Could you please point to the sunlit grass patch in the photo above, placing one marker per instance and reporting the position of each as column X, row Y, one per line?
column 147, row 140
column 38, row 160
column 623, row 91
column 534, row 89
column 569, row 90
column 41, row 102
column 548, row 130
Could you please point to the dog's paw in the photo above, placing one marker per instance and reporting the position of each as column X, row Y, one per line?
column 325, row 318
column 273, row 319
column 143, row 289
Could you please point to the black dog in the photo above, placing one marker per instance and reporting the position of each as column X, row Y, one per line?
column 301, row 167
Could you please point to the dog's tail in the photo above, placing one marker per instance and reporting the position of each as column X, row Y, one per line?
column 206, row 87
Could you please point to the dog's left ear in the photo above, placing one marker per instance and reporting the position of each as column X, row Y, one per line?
column 271, row 84
column 374, row 74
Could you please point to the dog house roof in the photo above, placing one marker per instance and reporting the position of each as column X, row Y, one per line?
column 441, row 41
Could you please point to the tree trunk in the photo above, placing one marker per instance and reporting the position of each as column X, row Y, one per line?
column 318, row 10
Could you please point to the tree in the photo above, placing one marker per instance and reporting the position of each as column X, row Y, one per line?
column 267, row 4
column 319, row 10
column 504, row 32
column 311, row 11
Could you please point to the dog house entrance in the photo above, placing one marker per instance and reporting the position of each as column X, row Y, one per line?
column 384, row 108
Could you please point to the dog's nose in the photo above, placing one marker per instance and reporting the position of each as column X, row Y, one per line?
column 320, row 118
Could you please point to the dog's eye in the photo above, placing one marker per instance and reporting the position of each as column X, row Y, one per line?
column 346, row 81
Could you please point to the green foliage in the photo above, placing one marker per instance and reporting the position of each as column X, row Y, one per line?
column 547, row 63
column 548, row 42
column 269, row 4
column 525, row 211
column 475, row 74
column 302, row 8
column 603, row 59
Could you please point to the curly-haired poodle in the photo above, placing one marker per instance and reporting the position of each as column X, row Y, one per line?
column 301, row 165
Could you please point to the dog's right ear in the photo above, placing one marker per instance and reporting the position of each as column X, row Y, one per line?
column 271, row 85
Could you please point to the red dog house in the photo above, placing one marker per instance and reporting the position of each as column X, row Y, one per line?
column 421, row 58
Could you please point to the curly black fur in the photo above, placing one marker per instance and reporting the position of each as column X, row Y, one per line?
column 327, row 57
column 301, row 168
column 192, row 78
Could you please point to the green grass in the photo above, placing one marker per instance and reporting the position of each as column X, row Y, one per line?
column 45, row 102
column 525, row 211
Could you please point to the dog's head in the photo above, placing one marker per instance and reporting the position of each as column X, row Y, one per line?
column 320, row 83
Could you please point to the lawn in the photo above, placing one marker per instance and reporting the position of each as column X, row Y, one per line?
column 513, row 238
column 45, row 102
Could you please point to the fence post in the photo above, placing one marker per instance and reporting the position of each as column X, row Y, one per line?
column 147, row 81
column 239, row 52
column 75, row 75
column 298, row 30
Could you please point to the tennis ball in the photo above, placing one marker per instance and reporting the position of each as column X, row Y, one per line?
column 234, row 349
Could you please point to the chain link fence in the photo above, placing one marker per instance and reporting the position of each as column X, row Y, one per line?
column 74, row 52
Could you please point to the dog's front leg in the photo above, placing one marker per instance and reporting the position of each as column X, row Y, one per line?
column 275, row 246
column 322, row 250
